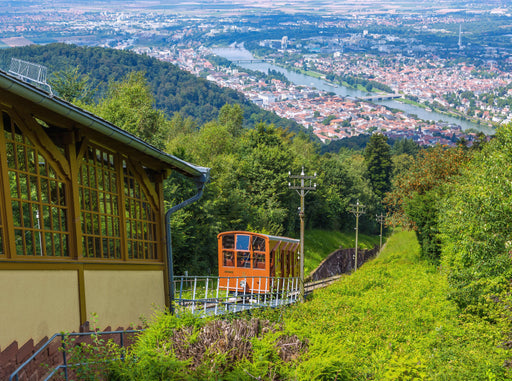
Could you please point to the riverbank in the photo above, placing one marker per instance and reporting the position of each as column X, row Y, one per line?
column 447, row 113
column 344, row 91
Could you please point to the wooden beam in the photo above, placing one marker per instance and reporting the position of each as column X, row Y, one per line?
column 73, row 201
column 45, row 145
column 81, row 148
column 148, row 187
column 6, row 209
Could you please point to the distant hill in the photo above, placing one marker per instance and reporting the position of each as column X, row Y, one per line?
column 175, row 90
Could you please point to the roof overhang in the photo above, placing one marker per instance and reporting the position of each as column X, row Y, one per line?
column 82, row 117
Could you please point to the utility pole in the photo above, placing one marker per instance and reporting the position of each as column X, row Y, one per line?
column 357, row 209
column 380, row 219
column 302, row 190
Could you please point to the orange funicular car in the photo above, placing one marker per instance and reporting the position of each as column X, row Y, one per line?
column 253, row 262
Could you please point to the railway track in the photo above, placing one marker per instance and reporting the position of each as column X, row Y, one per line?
column 309, row 287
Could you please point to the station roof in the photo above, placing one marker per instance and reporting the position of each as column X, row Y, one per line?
column 14, row 85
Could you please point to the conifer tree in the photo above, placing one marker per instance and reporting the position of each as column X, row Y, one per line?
column 379, row 166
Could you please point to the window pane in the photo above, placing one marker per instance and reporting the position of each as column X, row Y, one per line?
column 100, row 222
column 141, row 219
column 242, row 242
column 228, row 241
column 35, row 189
column 259, row 261
column 243, row 259
column 258, row 244
column 228, row 258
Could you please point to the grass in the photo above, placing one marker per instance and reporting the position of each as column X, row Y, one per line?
column 392, row 320
column 318, row 244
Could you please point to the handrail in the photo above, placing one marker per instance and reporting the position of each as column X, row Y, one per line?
column 218, row 295
column 14, row 375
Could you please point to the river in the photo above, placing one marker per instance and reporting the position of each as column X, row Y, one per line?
column 233, row 54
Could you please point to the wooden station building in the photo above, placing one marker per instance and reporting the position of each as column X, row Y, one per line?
column 82, row 219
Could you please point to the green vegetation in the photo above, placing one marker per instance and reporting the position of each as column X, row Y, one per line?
column 391, row 320
column 388, row 321
column 355, row 82
column 377, row 156
column 129, row 104
column 458, row 201
column 475, row 220
column 417, row 192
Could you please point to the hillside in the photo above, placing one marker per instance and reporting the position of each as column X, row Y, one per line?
column 390, row 320
column 318, row 244
column 175, row 90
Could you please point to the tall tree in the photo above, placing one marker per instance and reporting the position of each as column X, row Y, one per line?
column 130, row 105
column 416, row 195
column 73, row 86
column 232, row 116
column 377, row 156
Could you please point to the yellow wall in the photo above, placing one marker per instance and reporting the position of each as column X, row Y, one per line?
column 37, row 303
column 119, row 298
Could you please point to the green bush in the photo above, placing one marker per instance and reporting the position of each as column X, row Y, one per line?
column 475, row 224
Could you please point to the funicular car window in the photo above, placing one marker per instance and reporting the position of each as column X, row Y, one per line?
column 242, row 242
column 258, row 244
column 243, row 259
column 228, row 258
column 258, row 247
column 259, row 261
column 241, row 245
column 228, row 241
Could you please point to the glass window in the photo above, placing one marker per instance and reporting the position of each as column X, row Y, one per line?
column 243, row 259
column 228, row 259
column 38, row 197
column 242, row 242
column 141, row 219
column 101, row 237
column 259, row 261
column 228, row 241
column 258, row 244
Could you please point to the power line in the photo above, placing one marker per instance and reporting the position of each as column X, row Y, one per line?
column 302, row 190
column 380, row 219
column 357, row 209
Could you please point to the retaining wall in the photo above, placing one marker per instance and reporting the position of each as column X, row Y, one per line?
column 341, row 262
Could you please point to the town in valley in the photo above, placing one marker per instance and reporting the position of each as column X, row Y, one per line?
column 436, row 72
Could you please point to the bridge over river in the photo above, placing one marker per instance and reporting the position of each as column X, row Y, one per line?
column 379, row 97
column 254, row 60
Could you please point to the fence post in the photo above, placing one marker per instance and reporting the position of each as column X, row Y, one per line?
column 65, row 363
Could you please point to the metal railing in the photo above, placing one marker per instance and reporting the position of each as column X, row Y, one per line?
column 63, row 340
column 209, row 295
